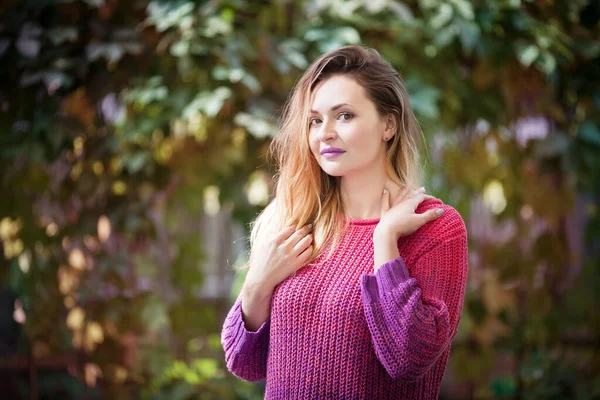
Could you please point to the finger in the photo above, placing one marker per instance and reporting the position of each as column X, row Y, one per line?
column 284, row 234
column 418, row 191
column 411, row 193
column 302, row 244
column 426, row 196
column 431, row 215
column 297, row 235
column 385, row 201
column 416, row 200
column 305, row 255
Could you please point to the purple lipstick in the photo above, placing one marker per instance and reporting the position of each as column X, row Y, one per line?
column 331, row 152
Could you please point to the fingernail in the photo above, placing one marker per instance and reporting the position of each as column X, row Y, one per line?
column 439, row 211
column 422, row 189
column 384, row 190
column 310, row 226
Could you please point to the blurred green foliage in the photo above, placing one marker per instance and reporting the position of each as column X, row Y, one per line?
column 122, row 121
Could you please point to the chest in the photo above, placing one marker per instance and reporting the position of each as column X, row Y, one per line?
column 324, row 290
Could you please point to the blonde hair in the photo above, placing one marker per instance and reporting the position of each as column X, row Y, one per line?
column 304, row 192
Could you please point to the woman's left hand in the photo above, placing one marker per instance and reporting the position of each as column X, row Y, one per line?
column 399, row 219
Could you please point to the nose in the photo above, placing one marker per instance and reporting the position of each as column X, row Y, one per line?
column 327, row 131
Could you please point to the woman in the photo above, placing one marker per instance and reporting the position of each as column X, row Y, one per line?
column 356, row 278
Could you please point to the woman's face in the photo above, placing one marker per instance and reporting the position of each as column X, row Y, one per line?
column 345, row 122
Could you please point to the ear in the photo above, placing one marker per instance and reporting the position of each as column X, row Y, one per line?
column 390, row 126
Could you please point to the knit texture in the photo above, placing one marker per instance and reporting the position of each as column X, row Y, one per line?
column 339, row 331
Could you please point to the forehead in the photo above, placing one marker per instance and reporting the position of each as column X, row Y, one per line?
column 337, row 89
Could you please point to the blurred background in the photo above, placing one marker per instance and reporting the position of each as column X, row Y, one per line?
column 133, row 137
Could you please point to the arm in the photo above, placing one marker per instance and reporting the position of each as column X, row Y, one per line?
column 272, row 259
column 245, row 337
column 414, row 319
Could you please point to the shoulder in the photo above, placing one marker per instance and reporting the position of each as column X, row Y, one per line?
column 449, row 226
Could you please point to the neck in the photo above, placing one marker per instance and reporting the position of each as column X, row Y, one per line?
column 362, row 191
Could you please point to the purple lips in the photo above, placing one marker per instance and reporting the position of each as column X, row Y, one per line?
column 331, row 152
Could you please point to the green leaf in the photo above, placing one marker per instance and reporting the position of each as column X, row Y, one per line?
column 469, row 34
column 528, row 54
column 553, row 145
column 297, row 59
column 136, row 161
column 208, row 102
column 251, row 83
column 182, row 391
column 165, row 15
column 315, row 35
column 62, row 34
column 443, row 16
column 180, row 48
column 547, row 63
column 504, row 387
column 154, row 314
column 588, row 132
column 464, row 8
column 423, row 98
column 348, row 35
column 258, row 127
column 206, row 367
column 216, row 26
column 402, row 11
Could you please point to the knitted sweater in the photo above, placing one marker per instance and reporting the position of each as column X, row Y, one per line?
column 339, row 331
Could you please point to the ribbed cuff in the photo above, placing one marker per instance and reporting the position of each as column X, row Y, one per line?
column 388, row 277
column 246, row 340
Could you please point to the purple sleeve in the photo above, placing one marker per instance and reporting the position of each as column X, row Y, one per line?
column 412, row 323
column 245, row 351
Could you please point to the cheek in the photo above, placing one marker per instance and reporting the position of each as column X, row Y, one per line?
column 364, row 142
column 357, row 136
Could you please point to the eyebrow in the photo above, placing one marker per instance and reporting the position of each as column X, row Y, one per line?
column 337, row 106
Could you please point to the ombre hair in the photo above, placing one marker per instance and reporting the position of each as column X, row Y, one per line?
column 304, row 192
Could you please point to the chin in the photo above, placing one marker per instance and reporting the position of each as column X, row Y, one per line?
column 334, row 174
column 334, row 171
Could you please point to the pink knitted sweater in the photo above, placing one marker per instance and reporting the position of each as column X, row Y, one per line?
column 339, row 331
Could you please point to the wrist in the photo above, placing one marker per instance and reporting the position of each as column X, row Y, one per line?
column 385, row 246
column 257, row 292
column 384, row 235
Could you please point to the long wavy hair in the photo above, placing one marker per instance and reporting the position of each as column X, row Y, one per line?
column 304, row 192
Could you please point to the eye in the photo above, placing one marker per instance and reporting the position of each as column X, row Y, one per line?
column 346, row 116
column 313, row 121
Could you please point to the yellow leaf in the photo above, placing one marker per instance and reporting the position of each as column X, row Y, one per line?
column 75, row 318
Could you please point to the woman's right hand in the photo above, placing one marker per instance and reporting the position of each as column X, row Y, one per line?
column 276, row 257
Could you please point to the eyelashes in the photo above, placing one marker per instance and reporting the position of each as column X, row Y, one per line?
column 349, row 116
